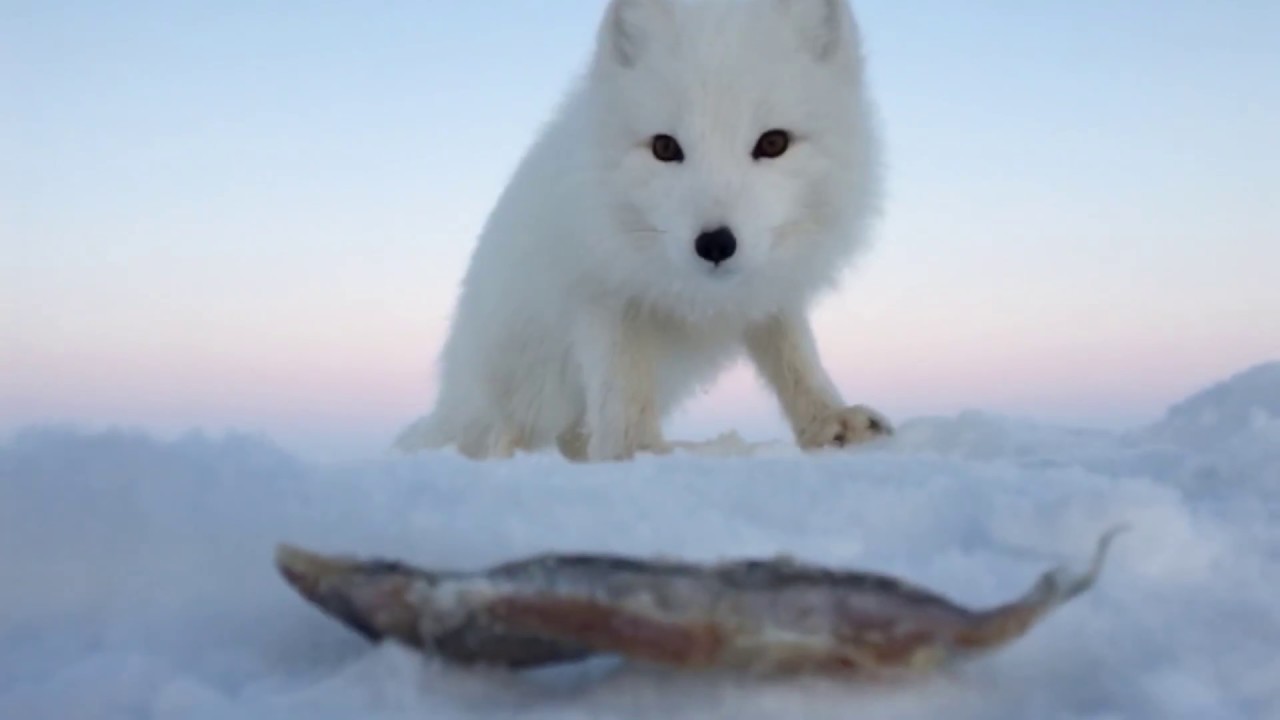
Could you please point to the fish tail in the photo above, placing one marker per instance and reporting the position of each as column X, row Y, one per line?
column 992, row 628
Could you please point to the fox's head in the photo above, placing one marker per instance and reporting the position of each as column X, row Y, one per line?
column 736, row 140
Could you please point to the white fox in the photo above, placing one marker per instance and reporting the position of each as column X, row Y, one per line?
column 713, row 171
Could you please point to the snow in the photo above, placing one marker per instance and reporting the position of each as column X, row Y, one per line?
column 136, row 577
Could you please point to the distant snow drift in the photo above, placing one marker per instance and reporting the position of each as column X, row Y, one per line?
column 136, row 577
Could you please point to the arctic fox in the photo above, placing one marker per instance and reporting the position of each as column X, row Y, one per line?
column 710, row 174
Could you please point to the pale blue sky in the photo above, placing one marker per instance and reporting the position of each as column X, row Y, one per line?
column 255, row 215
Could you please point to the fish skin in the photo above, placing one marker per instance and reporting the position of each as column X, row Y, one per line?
column 764, row 616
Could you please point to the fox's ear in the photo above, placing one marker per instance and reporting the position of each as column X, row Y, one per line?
column 631, row 27
column 825, row 26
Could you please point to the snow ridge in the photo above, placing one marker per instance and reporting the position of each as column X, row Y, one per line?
column 137, row 578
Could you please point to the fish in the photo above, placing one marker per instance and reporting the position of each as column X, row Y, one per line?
column 757, row 615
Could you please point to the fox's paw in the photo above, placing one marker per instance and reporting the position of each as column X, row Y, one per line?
column 627, row 453
column 842, row 427
column 587, row 448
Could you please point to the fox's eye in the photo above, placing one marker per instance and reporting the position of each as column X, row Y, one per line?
column 666, row 148
column 771, row 144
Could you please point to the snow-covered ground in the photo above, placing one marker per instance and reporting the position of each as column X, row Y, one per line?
column 136, row 577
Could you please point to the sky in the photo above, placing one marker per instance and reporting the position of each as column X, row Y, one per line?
column 254, row 216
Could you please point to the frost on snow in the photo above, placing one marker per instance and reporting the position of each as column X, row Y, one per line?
column 136, row 576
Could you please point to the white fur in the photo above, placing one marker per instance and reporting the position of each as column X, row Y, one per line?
column 586, row 316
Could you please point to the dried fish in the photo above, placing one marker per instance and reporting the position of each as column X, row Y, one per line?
column 767, row 616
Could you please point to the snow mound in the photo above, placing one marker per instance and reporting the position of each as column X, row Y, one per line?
column 1245, row 404
column 137, row 578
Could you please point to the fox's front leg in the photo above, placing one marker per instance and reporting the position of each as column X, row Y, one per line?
column 783, row 350
column 618, row 367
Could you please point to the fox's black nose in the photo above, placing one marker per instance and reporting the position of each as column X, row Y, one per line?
column 716, row 246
